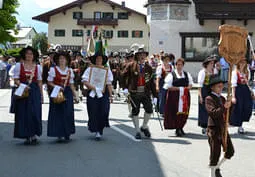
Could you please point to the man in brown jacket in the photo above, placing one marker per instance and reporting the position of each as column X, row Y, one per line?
column 140, row 84
column 216, row 106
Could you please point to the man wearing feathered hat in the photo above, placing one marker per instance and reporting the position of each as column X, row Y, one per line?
column 140, row 86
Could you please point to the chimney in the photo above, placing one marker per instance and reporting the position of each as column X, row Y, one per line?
column 123, row 3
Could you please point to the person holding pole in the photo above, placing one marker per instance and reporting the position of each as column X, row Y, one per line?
column 216, row 107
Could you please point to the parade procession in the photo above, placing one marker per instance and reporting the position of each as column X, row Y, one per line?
column 130, row 106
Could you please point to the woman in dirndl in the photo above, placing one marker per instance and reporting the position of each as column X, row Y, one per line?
column 178, row 83
column 28, row 109
column 98, row 101
column 161, row 72
column 204, row 76
column 61, row 114
column 241, row 96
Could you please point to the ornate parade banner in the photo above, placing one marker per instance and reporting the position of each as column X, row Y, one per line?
column 233, row 47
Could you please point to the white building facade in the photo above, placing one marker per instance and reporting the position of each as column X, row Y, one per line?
column 71, row 25
column 24, row 36
column 189, row 29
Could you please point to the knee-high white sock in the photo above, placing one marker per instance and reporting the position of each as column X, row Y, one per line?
column 136, row 123
column 212, row 171
column 221, row 162
column 129, row 108
column 146, row 120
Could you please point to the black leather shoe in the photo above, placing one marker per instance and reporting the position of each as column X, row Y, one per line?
column 138, row 136
column 146, row 132
column 34, row 142
column 178, row 133
column 217, row 173
column 182, row 131
column 27, row 142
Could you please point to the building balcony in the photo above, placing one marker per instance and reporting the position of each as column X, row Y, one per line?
column 98, row 22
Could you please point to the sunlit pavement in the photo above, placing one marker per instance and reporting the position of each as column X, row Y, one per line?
column 119, row 154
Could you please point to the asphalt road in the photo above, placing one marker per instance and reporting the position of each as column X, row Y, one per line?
column 119, row 154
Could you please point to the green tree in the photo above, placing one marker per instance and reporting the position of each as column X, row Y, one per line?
column 13, row 52
column 7, row 20
column 40, row 42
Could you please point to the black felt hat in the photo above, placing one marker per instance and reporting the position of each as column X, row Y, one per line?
column 209, row 59
column 62, row 53
column 215, row 80
column 24, row 50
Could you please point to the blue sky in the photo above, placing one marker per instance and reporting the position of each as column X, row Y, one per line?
column 31, row 8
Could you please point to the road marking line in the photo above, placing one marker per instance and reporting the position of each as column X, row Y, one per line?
column 124, row 133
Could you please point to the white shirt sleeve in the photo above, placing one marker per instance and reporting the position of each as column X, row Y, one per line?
column 16, row 73
column 168, row 81
column 51, row 75
column 190, row 79
column 39, row 72
column 234, row 79
column 109, row 77
column 159, row 71
column 201, row 78
column 71, row 80
column 85, row 76
column 11, row 72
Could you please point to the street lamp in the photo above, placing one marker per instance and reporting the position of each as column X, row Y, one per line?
column 1, row 4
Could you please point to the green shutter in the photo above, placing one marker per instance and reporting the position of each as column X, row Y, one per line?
column 88, row 33
column 141, row 34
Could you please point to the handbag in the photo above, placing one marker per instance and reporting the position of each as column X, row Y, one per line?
column 61, row 97
column 25, row 94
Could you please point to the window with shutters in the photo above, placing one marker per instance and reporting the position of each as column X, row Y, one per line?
column 97, row 15
column 77, row 15
column 108, row 15
column 108, row 34
column 123, row 34
column 60, row 33
column 77, row 33
column 123, row 15
column 137, row 34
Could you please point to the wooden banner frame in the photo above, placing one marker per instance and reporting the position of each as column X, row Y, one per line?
column 98, row 77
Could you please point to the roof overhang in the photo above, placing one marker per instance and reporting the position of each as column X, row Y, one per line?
column 45, row 17
column 224, row 10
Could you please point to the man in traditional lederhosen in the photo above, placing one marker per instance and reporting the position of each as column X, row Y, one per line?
column 115, row 68
column 140, row 86
column 130, row 58
column 46, row 65
column 78, row 67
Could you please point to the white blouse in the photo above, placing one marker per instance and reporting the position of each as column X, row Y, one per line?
column 201, row 76
column 16, row 72
column 52, row 74
column 85, row 76
column 169, row 79
column 159, row 70
column 235, row 78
